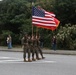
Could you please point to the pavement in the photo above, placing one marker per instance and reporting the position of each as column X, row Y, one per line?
column 45, row 51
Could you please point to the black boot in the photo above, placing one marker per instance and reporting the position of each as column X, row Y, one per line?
column 29, row 60
column 33, row 59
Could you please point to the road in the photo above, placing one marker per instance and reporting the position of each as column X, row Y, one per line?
column 11, row 63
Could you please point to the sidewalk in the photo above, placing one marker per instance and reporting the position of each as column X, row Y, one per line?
column 45, row 51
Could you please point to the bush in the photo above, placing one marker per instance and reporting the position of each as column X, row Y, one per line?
column 66, row 37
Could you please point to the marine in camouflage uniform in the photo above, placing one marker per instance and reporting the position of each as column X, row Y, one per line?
column 32, row 47
column 26, row 48
column 38, row 47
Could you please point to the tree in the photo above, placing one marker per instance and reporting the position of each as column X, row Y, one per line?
column 13, row 14
column 65, row 11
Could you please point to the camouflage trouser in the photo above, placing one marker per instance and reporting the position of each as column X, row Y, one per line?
column 26, row 50
column 34, row 50
column 40, row 51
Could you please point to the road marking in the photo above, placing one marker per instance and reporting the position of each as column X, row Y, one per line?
column 4, row 57
column 50, row 61
column 18, row 60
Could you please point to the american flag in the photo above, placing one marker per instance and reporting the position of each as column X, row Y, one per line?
column 42, row 18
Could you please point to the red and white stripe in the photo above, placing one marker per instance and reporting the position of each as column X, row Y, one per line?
column 48, row 20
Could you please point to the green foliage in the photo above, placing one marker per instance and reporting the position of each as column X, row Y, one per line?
column 13, row 14
column 65, row 11
column 26, row 27
column 66, row 37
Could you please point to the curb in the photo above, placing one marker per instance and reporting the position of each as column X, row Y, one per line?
column 58, row 52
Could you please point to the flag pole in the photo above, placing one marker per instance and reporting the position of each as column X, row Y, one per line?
column 32, row 4
column 37, row 27
column 36, row 30
column 32, row 30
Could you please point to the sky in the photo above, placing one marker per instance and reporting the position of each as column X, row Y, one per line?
column 0, row 0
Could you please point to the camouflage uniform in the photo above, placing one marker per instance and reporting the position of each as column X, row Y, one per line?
column 38, row 47
column 32, row 48
column 26, row 48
